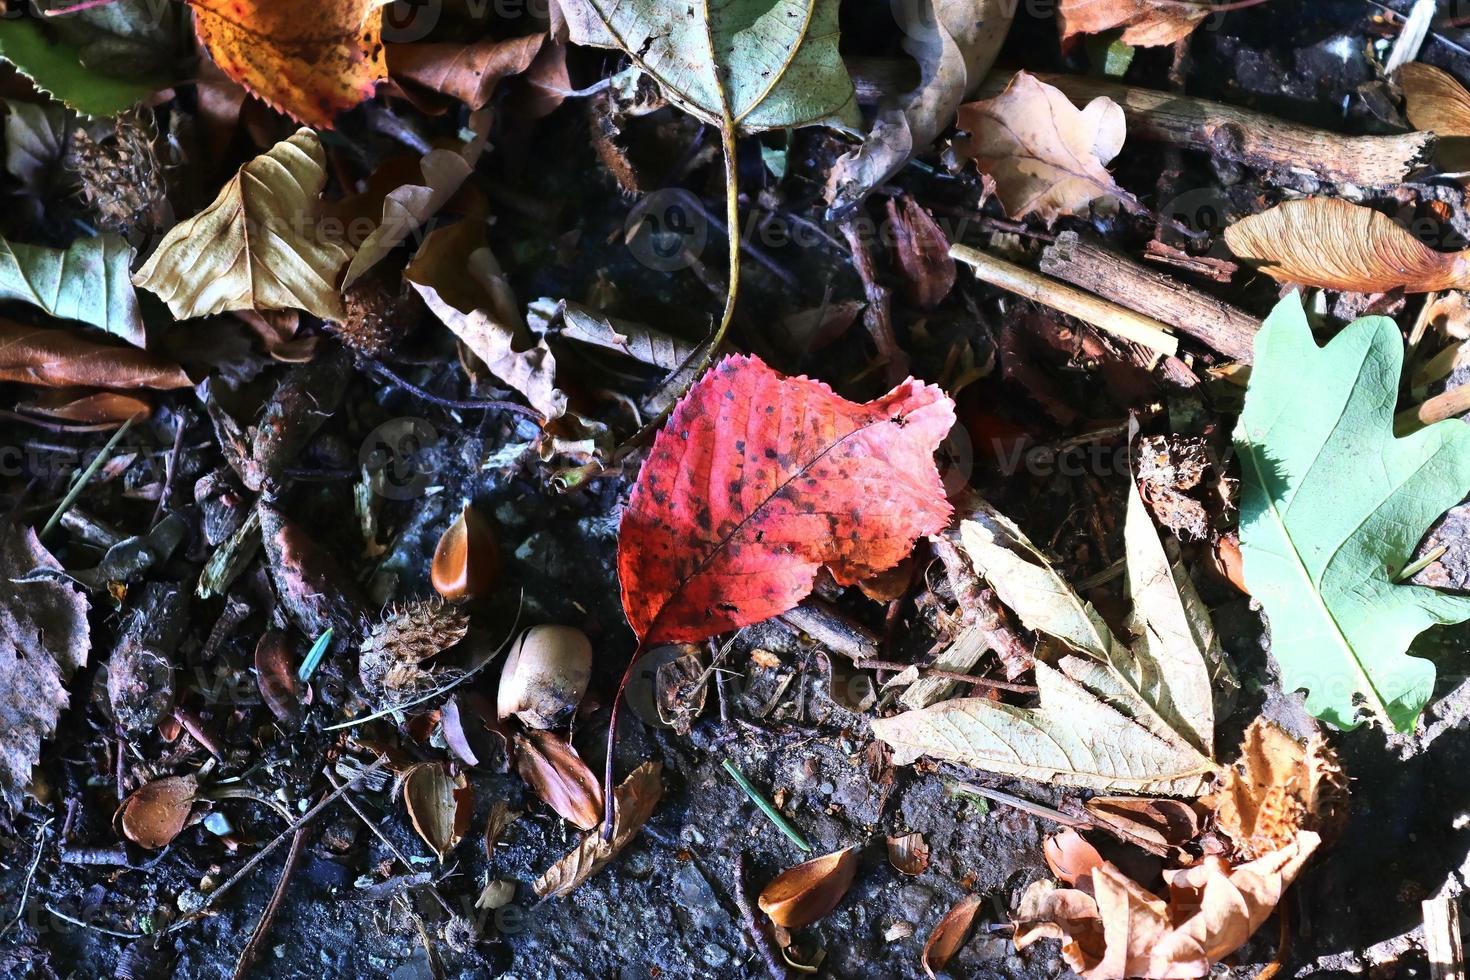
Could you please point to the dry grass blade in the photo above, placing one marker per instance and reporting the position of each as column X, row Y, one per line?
column 1332, row 244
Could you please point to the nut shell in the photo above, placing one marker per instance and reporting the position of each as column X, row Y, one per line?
column 545, row 676
column 466, row 563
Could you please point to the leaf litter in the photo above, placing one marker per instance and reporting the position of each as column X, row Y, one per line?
column 306, row 464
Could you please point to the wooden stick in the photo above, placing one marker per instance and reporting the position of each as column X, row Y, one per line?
column 833, row 630
column 1252, row 138
column 1442, row 939
column 1447, row 405
column 1152, row 293
column 1100, row 313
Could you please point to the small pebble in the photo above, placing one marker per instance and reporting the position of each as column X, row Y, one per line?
column 714, row 955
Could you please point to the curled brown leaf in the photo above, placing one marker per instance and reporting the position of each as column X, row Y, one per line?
column 274, row 673
column 633, row 803
column 1329, row 243
column 440, row 805
column 86, row 406
column 801, row 895
column 468, row 73
column 1070, row 857
column 57, row 357
column 908, row 854
column 949, row 934
column 558, row 776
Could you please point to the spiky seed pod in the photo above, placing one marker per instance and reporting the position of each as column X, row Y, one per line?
column 395, row 648
column 377, row 317
column 120, row 175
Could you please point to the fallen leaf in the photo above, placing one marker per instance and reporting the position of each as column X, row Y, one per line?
column 1145, row 23
column 58, row 357
column 767, row 64
column 275, row 675
column 44, row 639
column 955, row 43
column 496, row 894
column 310, row 62
column 1330, row 243
column 467, row 72
column 466, row 565
column 908, row 854
column 757, row 481
column 440, row 805
column 154, row 813
column 1123, row 930
column 55, row 67
column 259, row 246
column 922, row 254
column 87, row 281
column 409, row 206
column 1069, row 856
column 802, row 894
column 1047, row 157
column 89, row 407
column 35, row 141
column 1434, row 100
column 1278, row 788
column 1139, row 719
column 481, row 310
column 501, row 817
column 557, row 775
column 636, row 340
column 1323, row 536
column 1159, row 826
column 634, row 801
column 949, row 934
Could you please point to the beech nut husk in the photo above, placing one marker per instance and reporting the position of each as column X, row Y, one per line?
column 801, row 895
column 466, row 563
column 545, row 676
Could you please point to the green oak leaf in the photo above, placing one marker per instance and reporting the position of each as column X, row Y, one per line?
column 89, row 280
column 55, row 66
column 1332, row 508
column 770, row 63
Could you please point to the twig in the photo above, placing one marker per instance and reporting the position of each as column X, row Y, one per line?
column 1443, row 941
column 306, row 818
column 90, row 925
column 1151, row 293
column 1100, row 313
column 766, row 806
column 1035, row 809
column 952, row 675
column 470, row 404
column 877, row 315
column 85, row 477
column 25, row 892
column 762, row 939
column 833, row 630
column 170, row 470
column 251, row 951
column 378, row 832
column 1446, row 405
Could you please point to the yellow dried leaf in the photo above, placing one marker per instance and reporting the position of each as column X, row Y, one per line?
column 1434, row 100
column 1332, row 244
column 1047, row 156
column 258, row 246
column 311, row 61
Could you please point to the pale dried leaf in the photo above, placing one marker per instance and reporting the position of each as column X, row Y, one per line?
column 1121, row 929
column 408, row 207
column 1047, row 157
column 440, row 805
column 634, row 801
column 44, row 639
column 955, row 42
column 481, row 310
column 1330, row 243
column 1434, row 100
column 259, row 246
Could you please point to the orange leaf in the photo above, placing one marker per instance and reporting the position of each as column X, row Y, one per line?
column 310, row 61
column 757, row 481
column 58, row 357
column 1325, row 242
column 1144, row 24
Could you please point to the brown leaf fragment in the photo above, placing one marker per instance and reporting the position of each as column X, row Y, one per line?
column 558, row 776
column 1329, row 243
column 922, row 254
column 1070, row 857
column 1159, row 826
column 633, row 804
column 801, row 895
column 154, row 813
column 466, row 564
column 1121, row 929
column 909, row 854
column 1278, row 789
column 1047, row 157
column 86, row 406
column 58, row 357
column 1145, row 23
column 276, row 676
column 44, row 639
column 1434, row 100
column 291, row 418
column 949, row 934
column 500, row 819
column 468, row 73
column 439, row 804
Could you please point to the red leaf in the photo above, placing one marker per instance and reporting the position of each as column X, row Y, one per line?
column 757, row 481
